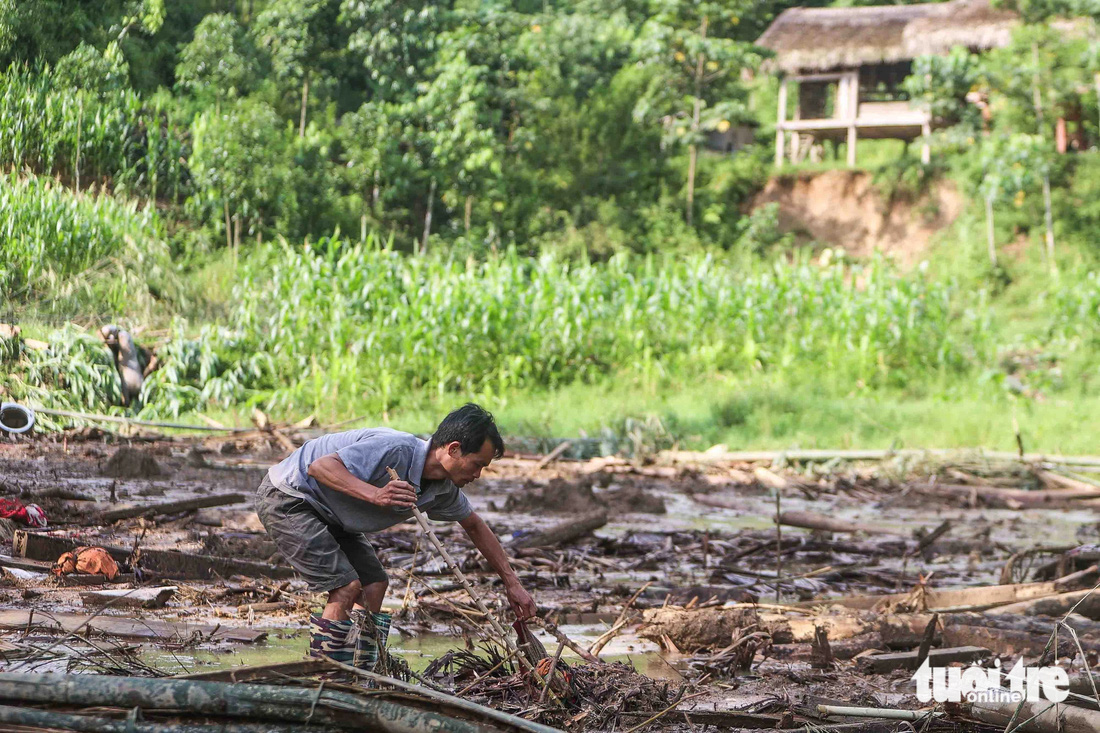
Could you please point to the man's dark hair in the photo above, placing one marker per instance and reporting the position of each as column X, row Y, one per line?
column 471, row 425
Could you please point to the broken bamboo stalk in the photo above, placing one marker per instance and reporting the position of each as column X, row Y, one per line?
column 31, row 719
column 884, row 713
column 624, row 616
column 456, row 570
column 554, row 631
column 249, row 701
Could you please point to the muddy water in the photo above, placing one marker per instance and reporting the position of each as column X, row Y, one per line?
column 289, row 645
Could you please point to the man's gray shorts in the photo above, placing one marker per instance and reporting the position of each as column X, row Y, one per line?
column 327, row 557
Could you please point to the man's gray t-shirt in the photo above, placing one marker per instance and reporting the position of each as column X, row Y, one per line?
column 366, row 454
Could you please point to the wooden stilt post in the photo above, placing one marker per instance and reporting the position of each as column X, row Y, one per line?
column 853, row 112
column 781, row 117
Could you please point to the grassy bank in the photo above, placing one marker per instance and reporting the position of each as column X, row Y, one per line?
column 689, row 351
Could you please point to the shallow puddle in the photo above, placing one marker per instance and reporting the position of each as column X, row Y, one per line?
column 289, row 645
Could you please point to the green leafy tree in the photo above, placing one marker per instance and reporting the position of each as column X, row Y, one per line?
column 306, row 45
column 395, row 42
column 220, row 62
column 240, row 165
column 91, row 70
column 698, row 64
column 940, row 85
column 1011, row 166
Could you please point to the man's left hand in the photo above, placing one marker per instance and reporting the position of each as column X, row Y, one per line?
column 523, row 605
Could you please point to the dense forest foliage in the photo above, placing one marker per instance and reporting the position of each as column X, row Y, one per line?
column 481, row 124
column 357, row 205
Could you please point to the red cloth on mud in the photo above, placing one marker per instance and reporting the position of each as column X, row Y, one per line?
column 31, row 515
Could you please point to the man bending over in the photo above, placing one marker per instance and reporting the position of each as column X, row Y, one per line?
column 321, row 502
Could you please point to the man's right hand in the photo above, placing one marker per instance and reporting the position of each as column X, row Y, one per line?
column 397, row 493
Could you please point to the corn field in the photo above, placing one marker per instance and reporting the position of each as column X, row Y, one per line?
column 368, row 323
column 334, row 323
column 111, row 138
column 68, row 251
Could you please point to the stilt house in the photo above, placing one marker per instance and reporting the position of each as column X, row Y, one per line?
column 847, row 66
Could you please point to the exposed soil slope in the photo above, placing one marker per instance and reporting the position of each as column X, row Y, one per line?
column 843, row 208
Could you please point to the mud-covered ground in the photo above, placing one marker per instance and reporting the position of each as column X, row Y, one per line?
column 694, row 534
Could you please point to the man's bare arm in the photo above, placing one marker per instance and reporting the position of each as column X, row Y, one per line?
column 523, row 605
column 331, row 471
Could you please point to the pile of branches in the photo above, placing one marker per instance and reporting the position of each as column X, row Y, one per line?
column 597, row 696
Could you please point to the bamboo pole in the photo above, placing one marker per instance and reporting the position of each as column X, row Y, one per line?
column 461, row 578
column 456, row 570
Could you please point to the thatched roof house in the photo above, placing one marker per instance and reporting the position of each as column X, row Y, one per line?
column 821, row 39
column 849, row 64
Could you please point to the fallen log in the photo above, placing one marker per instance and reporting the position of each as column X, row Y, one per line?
column 949, row 599
column 279, row 671
column 165, row 563
column 713, row 628
column 263, row 607
column 810, row 520
column 676, row 456
column 1084, row 602
column 172, row 507
column 1036, row 717
column 996, row 496
column 1012, row 642
column 125, row 626
column 882, row 663
column 563, row 533
column 132, row 598
column 420, row 711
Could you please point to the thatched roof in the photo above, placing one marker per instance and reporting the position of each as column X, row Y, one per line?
column 821, row 39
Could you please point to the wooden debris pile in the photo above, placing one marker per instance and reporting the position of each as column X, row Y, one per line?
column 597, row 697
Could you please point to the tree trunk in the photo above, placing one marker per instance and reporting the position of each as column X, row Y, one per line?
column 374, row 194
column 228, row 226
column 80, row 124
column 1096, row 81
column 469, row 210
column 428, row 218
column 693, row 148
column 990, row 241
column 305, row 100
column 1048, row 215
